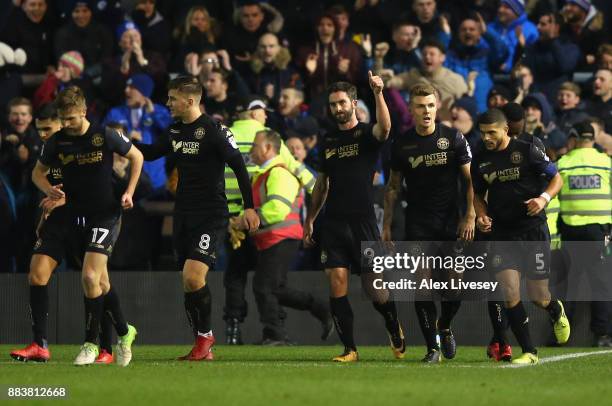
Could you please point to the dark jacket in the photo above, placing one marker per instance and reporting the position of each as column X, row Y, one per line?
column 279, row 74
column 94, row 42
column 155, row 31
column 35, row 39
column 552, row 63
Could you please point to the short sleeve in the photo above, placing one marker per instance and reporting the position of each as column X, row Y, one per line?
column 322, row 157
column 369, row 137
column 224, row 141
column 463, row 152
column 48, row 153
column 540, row 163
column 117, row 142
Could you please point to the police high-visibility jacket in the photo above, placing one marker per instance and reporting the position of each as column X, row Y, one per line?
column 552, row 215
column 585, row 196
column 244, row 133
column 277, row 198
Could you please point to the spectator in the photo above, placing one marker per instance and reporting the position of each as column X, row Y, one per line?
column 405, row 53
column 522, row 81
column 586, row 26
column 569, row 107
column 514, row 28
column 30, row 27
column 69, row 72
column 539, row 123
column 475, row 55
column 153, row 27
column 144, row 122
column 197, row 34
column 202, row 65
column 241, row 40
column 327, row 61
column 91, row 39
column 463, row 116
column 19, row 151
column 297, row 148
column 270, row 70
column 291, row 118
column 433, row 25
column 600, row 105
column 499, row 96
column 217, row 102
column 343, row 20
column 603, row 138
column 552, row 58
column 20, row 145
column 450, row 84
column 604, row 56
column 133, row 59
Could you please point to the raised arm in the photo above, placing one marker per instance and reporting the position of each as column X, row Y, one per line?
column 382, row 128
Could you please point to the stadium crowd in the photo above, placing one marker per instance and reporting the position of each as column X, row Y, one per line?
column 268, row 64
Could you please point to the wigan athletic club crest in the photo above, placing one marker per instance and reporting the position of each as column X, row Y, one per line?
column 97, row 140
column 516, row 157
column 443, row 143
column 199, row 133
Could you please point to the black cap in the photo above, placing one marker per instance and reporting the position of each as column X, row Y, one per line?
column 583, row 129
column 503, row 91
column 304, row 127
column 514, row 112
column 252, row 102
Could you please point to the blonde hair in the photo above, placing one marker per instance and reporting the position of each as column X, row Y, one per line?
column 69, row 98
column 183, row 31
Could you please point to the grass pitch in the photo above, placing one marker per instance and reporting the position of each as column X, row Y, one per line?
column 250, row 375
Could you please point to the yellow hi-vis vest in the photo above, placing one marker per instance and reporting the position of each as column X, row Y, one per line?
column 585, row 196
column 552, row 214
column 244, row 133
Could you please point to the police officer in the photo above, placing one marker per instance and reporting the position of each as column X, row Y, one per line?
column 586, row 215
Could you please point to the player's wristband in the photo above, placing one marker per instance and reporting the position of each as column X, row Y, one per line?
column 546, row 197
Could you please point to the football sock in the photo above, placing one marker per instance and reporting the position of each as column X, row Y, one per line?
column 112, row 307
column 342, row 313
column 198, row 307
column 499, row 321
column 106, row 332
column 427, row 314
column 448, row 310
column 39, row 312
column 519, row 322
column 389, row 313
column 554, row 309
column 93, row 313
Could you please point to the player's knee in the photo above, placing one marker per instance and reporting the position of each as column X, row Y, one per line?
column 38, row 278
column 510, row 303
column 105, row 286
column 90, row 278
column 338, row 284
column 192, row 282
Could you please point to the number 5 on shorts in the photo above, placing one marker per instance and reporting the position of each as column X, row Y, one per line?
column 103, row 232
column 204, row 241
column 539, row 257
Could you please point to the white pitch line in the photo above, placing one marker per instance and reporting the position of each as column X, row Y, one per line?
column 563, row 357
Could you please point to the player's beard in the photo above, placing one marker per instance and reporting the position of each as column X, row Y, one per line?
column 344, row 116
column 76, row 130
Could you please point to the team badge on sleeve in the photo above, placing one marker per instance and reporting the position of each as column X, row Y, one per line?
column 228, row 135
